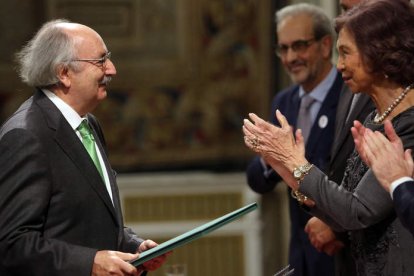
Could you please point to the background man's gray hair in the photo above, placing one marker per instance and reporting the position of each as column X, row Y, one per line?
column 50, row 49
column 322, row 24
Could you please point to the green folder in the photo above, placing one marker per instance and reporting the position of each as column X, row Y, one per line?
column 191, row 235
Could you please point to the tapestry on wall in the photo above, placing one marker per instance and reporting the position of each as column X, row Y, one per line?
column 188, row 72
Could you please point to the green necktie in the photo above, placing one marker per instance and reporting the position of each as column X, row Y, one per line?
column 89, row 142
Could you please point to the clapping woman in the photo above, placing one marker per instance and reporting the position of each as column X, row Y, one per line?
column 376, row 57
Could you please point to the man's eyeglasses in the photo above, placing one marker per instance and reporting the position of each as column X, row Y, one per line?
column 101, row 62
column 298, row 46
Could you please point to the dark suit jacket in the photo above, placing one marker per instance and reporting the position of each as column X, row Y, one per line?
column 403, row 197
column 55, row 211
column 380, row 244
column 342, row 148
column 302, row 255
column 343, row 144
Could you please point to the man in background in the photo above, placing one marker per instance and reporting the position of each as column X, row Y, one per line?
column 351, row 107
column 305, row 41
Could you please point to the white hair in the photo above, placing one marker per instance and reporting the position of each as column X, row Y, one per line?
column 50, row 49
column 322, row 24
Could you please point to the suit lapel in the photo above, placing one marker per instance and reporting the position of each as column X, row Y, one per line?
column 100, row 141
column 363, row 101
column 111, row 176
column 330, row 102
column 342, row 112
column 344, row 126
column 291, row 113
column 71, row 145
column 341, row 115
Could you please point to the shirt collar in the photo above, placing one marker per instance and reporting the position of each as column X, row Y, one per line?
column 67, row 111
column 321, row 90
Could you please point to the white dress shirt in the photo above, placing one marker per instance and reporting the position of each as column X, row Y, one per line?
column 74, row 121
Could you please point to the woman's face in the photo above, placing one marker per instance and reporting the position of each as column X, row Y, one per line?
column 354, row 72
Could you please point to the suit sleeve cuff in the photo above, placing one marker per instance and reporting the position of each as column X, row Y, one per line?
column 397, row 183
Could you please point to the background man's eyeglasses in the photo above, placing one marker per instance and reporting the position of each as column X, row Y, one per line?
column 298, row 46
column 97, row 61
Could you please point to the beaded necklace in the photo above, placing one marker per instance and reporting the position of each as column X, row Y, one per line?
column 379, row 119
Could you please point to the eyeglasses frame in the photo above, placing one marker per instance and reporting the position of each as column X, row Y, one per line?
column 306, row 43
column 101, row 61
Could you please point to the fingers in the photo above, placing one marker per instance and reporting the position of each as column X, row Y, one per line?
column 259, row 122
column 247, row 132
column 256, row 119
column 408, row 157
column 319, row 233
column 248, row 128
column 356, row 135
column 359, row 127
column 390, row 132
column 282, row 119
column 147, row 244
column 376, row 140
column 252, row 142
column 307, row 228
column 273, row 143
column 126, row 256
column 315, row 243
column 299, row 136
column 113, row 263
column 155, row 263
column 126, row 266
column 300, row 141
column 333, row 247
column 253, row 130
column 409, row 160
column 257, row 125
column 357, row 132
column 371, row 145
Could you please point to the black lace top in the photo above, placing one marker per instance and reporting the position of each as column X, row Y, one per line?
column 380, row 245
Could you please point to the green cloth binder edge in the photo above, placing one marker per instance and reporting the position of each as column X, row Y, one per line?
column 191, row 235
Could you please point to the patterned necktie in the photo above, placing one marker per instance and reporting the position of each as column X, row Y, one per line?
column 89, row 142
column 304, row 116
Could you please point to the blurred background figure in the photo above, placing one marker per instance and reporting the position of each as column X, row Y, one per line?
column 304, row 45
column 351, row 107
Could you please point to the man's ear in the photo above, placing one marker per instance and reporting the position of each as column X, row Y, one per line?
column 63, row 74
column 327, row 44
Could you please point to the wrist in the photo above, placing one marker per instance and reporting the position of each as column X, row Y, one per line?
column 295, row 163
column 393, row 185
column 299, row 174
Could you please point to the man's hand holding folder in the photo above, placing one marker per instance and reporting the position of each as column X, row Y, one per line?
column 161, row 251
column 154, row 263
